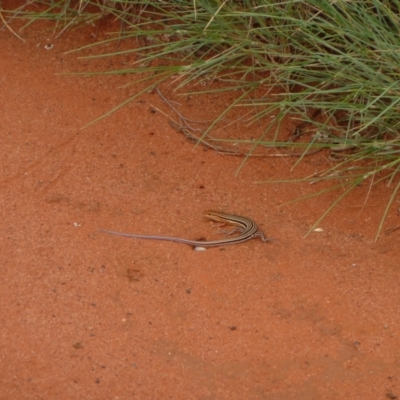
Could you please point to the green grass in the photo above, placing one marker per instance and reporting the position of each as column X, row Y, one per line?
column 339, row 58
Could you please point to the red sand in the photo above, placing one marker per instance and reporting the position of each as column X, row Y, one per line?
column 86, row 315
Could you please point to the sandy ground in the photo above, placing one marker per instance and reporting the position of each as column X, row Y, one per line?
column 86, row 315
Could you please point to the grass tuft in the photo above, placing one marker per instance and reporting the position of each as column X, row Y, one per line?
column 334, row 66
